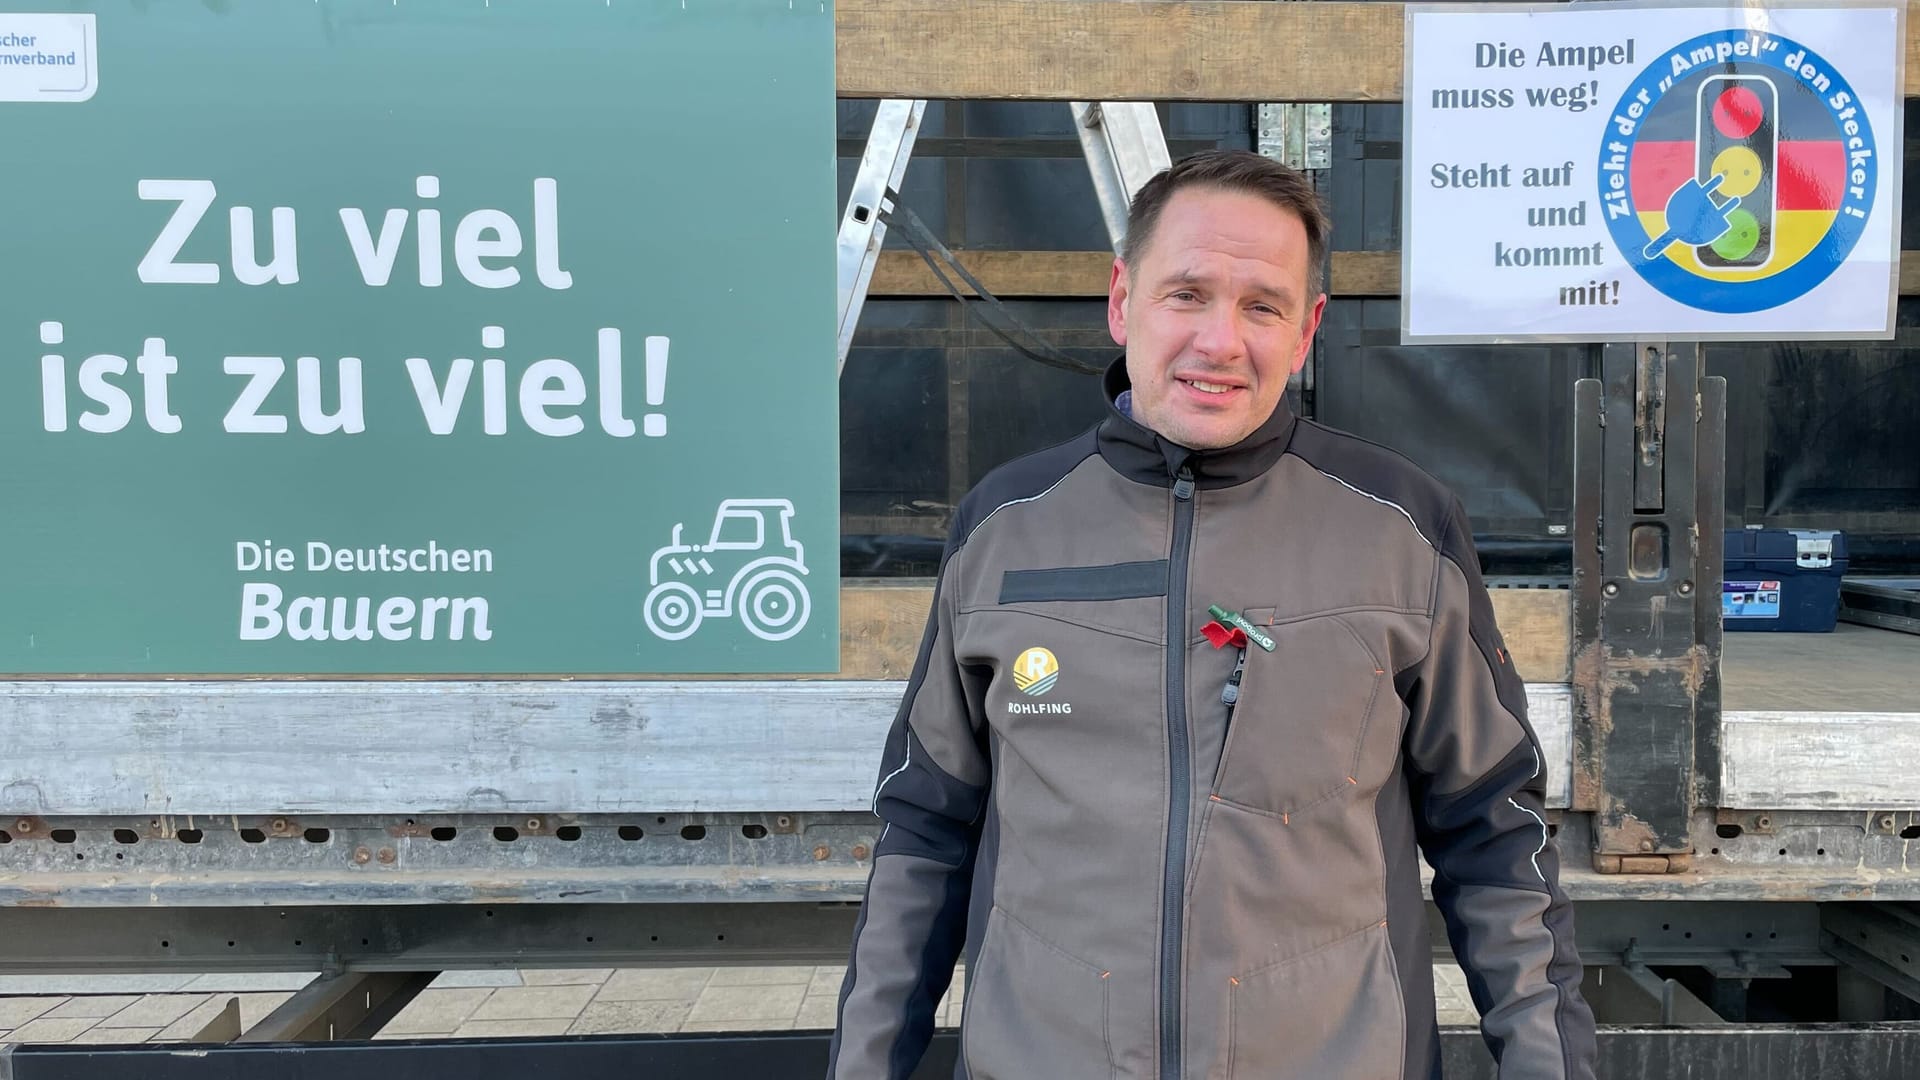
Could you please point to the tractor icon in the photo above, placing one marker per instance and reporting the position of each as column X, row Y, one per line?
column 755, row 534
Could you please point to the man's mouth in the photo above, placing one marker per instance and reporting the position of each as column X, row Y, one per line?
column 1206, row 387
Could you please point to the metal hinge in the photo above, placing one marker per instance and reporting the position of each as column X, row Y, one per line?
column 1299, row 136
column 1643, row 864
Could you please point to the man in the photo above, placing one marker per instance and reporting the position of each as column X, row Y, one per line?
column 1180, row 842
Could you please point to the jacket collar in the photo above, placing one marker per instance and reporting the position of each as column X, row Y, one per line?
column 1140, row 453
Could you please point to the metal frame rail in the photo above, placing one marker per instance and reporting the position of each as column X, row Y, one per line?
column 1831, row 1052
column 1889, row 605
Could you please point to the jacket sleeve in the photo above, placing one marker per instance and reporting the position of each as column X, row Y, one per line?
column 932, row 788
column 1478, row 786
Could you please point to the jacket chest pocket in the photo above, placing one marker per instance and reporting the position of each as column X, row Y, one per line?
column 1297, row 734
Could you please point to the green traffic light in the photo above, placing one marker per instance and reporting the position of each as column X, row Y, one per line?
column 1741, row 237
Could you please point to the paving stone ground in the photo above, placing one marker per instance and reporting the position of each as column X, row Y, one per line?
column 134, row 1009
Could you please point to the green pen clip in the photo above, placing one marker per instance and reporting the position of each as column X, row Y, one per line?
column 1234, row 618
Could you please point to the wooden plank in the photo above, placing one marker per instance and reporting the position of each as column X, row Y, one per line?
column 1067, row 274
column 1365, row 273
column 396, row 748
column 387, row 748
column 1913, row 49
column 928, row 525
column 1538, row 627
column 211, row 750
column 1093, row 50
column 881, row 624
column 1145, row 50
column 880, row 629
column 1004, row 273
column 1820, row 761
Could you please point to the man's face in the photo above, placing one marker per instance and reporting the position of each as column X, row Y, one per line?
column 1215, row 317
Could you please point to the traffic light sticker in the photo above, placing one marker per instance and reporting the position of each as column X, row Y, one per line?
column 1737, row 172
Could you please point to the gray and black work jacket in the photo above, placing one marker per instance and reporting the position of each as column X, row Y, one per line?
column 1148, row 881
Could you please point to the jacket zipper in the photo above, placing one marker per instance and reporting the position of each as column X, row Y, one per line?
column 1171, row 921
column 1230, row 696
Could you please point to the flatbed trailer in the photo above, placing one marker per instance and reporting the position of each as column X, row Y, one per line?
column 739, row 834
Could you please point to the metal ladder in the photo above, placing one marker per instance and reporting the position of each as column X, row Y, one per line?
column 1122, row 141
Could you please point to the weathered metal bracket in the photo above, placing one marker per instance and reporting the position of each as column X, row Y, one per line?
column 348, row 1005
column 1881, row 941
column 1633, row 994
column 1650, row 467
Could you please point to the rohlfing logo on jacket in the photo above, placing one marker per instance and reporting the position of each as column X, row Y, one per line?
column 1034, row 673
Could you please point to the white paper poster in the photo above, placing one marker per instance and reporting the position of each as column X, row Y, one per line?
column 1617, row 171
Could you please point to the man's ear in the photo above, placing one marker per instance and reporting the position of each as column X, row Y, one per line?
column 1307, row 331
column 1117, row 291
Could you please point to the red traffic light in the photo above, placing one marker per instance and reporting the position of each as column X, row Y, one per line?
column 1737, row 112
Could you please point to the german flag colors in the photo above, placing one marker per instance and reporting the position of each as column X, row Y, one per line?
column 1774, row 146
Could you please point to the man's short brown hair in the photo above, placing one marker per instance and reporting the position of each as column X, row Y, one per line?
column 1233, row 170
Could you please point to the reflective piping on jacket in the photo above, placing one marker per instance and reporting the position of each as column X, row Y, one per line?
column 1383, row 502
column 1014, row 502
column 883, row 783
column 909, row 741
column 1536, row 817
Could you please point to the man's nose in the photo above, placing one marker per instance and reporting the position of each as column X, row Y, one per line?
column 1219, row 334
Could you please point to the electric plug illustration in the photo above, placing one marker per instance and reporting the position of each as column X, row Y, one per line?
column 1693, row 218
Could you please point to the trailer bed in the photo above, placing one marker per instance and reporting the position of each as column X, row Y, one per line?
column 1854, row 669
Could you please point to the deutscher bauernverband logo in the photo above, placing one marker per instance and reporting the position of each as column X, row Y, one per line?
column 1035, row 672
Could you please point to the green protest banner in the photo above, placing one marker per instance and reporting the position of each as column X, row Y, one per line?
column 430, row 336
